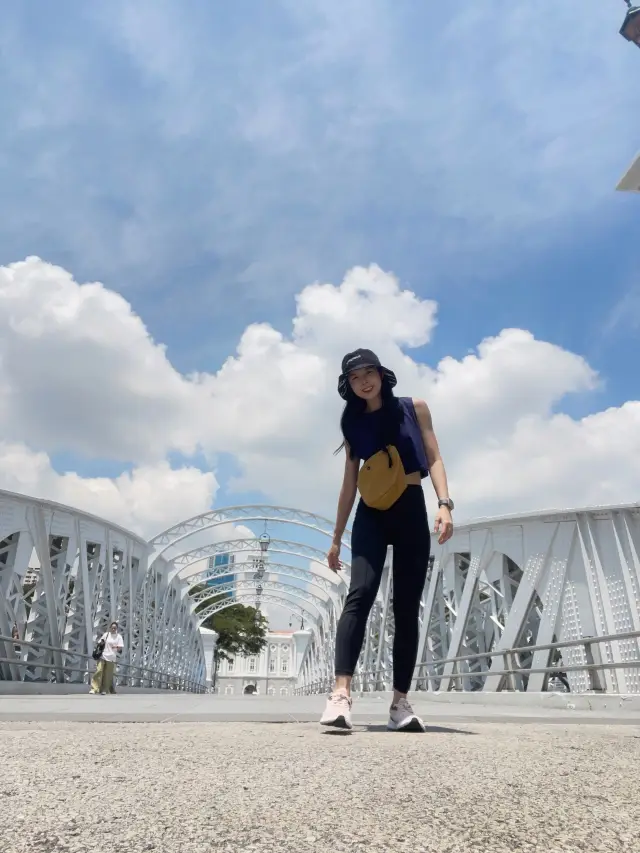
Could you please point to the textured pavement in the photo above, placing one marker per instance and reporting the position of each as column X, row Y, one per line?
column 195, row 787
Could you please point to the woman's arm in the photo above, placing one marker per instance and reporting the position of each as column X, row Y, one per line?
column 345, row 505
column 444, row 523
column 347, row 495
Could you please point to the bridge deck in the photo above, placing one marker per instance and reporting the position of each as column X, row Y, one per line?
column 184, row 707
column 195, row 787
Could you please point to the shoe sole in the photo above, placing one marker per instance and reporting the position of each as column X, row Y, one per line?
column 338, row 723
column 413, row 725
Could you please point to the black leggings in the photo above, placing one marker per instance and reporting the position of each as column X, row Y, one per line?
column 406, row 528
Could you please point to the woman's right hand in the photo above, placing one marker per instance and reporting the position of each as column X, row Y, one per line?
column 333, row 557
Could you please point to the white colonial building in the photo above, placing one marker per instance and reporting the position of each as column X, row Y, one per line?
column 274, row 672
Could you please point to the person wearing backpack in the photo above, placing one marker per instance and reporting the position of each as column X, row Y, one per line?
column 112, row 645
column 394, row 439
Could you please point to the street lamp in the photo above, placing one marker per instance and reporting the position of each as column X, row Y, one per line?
column 630, row 28
column 265, row 541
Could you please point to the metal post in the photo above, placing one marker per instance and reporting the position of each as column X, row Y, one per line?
column 41, row 540
column 455, row 682
column 508, row 665
column 593, row 656
column 266, row 686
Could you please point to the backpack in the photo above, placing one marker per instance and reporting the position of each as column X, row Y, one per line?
column 98, row 649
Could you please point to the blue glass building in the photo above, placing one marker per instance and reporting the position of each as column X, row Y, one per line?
column 217, row 563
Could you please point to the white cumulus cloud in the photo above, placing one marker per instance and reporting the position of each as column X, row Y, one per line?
column 146, row 500
column 79, row 372
column 78, row 369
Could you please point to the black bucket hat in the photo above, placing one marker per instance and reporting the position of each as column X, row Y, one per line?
column 362, row 358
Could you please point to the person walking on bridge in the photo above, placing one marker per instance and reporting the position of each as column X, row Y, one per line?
column 393, row 438
column 113, row 644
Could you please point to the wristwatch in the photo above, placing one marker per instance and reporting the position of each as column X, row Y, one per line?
column 446, row 502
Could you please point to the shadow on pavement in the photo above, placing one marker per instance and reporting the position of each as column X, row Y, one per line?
column 376, row 727
column 441, row 730
column 339, row 732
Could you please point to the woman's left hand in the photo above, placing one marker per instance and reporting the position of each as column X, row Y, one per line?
column 443, row 525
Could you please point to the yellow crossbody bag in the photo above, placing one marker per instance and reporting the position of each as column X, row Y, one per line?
column 382, row 479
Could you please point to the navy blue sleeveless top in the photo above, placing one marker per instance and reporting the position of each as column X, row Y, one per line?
column 365, row 437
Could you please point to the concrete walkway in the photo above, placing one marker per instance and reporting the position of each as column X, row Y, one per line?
column 209, row 787
column 369, row 709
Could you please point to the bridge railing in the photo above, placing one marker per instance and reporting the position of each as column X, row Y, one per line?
column 513, row 676
column 78, row 668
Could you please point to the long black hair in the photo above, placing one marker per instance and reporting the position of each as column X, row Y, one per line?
column 355, row 408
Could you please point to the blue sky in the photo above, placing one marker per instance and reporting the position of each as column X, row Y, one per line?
column 210, row 160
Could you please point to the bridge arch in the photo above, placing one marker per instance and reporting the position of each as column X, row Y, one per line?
column 322, row 605
column 172, row 536
column 320, row 598
column 252, row 546
column 248, row 544
column 322, row 619
column 246, row 598
column 322, row 585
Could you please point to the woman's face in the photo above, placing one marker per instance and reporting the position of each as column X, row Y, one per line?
column 366, row 382
column 113, row 627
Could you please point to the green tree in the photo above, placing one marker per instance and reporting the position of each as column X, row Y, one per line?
column 242, row 631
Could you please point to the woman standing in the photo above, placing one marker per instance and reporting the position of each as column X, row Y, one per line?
column 394, row 438
column 102, row 681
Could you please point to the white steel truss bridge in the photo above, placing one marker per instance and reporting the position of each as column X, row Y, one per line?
column 64, row 576
column 507, row 603
column 512, row 602
column 290, row 574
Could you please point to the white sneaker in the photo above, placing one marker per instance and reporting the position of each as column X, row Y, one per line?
column 337, row 712
column 403, row 719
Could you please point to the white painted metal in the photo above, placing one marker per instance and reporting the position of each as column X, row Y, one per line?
column 499, row 584
column 529, row 580
column 297, row 608
column 183, row 561
column 64, row 574
column 173, row 536
column 247, row 585
column 312, row 581
column 320, row 612
column 512, row 582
